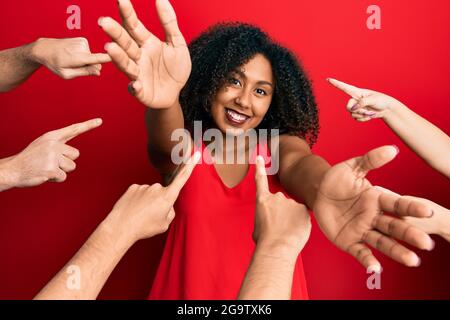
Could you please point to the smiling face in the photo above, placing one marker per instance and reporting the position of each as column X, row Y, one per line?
column 245, row 97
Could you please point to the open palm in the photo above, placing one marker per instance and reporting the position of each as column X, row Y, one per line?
column 157, row 70
column 350, row 210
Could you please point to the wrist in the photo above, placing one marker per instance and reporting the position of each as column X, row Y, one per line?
column 117, row 232
column 8, row 176
column 282, row 249
column 174, row 105
column 36, row 51
column 393, row 110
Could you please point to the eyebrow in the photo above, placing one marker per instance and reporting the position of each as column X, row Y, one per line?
column 242, row 74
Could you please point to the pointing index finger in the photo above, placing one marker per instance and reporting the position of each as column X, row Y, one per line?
column 182, row 176
column 262, row 185
column 74, row 130
column 352, row 91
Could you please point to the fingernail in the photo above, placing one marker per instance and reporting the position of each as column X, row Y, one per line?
column 99, row 21
column 370, row 114
column 433, row 244
column 356, row 106
column 419, row 261
column 374, row 268
column 197, row 156
column 107, row 46
column 131, row 88
column 396, row 148
column 260, row 159
column 98, row 121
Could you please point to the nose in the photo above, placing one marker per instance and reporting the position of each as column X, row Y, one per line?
column 244, row 99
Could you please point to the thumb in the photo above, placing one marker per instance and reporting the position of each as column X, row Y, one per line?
column 171, row 215
column 374, row 159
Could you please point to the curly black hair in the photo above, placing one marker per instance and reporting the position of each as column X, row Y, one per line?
column 226, row 46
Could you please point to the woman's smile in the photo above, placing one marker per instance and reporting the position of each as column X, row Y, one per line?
column 235, row 118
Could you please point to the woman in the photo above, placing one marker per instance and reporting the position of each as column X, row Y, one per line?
column 242, row 80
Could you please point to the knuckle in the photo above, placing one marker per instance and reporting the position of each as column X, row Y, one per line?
column 65, row 75
column 261, row 198
column 83, row 40
column 279, row 195
column 133, row 187
column 156, row 186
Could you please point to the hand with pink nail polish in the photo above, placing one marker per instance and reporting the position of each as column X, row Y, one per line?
column 424, row 138
column 365, row 104
column 158, row 70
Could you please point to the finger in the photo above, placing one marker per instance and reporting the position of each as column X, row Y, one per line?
column 262, row 185
column 120, row 36
column 403, row 206
column 364, row 255
column 122, row 60
column 171, row 215
column 403, row 231
column 364, row 112
column 371, row 101
column 85, row 59
column 357, row 116
column 132, row 24
column 66, row 164
column 58, row 176
column 373, row 159
column 70, row 152
column 352, row 91
column 364, row 119
column 352, row 105
column 70, row 132
column 137, row 90
column 168, row 20
column 92, row 70
column 392, row 249
column 182, row 176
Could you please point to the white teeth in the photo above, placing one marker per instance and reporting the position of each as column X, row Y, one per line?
column 235, row 116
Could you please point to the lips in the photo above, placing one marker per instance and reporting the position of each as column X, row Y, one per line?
column 235, row 117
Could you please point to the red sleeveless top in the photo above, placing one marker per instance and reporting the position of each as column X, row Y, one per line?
column 209, row 244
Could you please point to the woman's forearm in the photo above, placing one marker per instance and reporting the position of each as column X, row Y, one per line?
column 302, row 179
column 424, row 138
column 161, row 123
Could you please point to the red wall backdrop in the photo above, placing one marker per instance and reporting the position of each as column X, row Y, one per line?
column 41, row 228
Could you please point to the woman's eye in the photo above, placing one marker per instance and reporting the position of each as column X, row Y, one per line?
column 234, row 81
column 261, row 92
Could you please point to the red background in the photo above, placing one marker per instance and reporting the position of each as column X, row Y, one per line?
column 41, row 228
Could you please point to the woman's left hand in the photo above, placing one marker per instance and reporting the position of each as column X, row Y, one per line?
column 350, row 210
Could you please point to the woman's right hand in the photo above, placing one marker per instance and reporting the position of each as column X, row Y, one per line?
column 157, row 70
